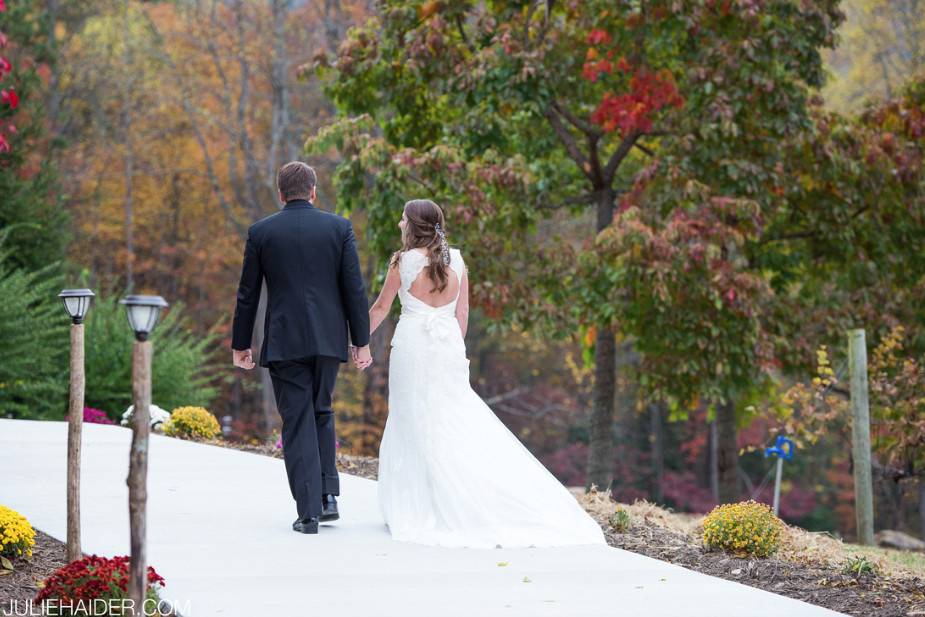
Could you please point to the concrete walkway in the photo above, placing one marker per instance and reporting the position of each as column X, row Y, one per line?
column 219, row 532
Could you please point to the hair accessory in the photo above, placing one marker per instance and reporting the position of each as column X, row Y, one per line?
column 444, row 247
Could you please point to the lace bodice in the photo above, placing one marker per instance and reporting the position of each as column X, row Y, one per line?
column 410, row 265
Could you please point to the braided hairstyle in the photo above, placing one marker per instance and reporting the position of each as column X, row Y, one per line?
column 425, row 229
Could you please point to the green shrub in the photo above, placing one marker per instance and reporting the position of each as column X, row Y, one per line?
column 192, row 423
column 182, row 373
column 620, row 520
column 34, row 332
column 746, row 528
column 857, row 565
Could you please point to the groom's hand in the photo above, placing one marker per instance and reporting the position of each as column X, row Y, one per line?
column 242, row 358
column 362, row 357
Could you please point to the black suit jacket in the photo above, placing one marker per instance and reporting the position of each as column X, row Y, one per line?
column 314, row 286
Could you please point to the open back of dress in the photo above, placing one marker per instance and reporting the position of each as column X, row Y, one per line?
column 423, row 288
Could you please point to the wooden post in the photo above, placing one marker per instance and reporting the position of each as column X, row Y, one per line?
column 727, row 450
column 779, row 471
column 74, row 430
column 138, row 471
column 860, row 409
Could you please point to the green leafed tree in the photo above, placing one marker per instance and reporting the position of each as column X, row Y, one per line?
column 182, row 372
column 33, row 328
column 530, row 121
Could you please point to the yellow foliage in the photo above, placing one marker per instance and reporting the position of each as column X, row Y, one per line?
column 192, row 423
column 16, row 534
column 745, row 528
column 876, row 52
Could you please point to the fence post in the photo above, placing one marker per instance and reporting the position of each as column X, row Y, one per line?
column 860, row 436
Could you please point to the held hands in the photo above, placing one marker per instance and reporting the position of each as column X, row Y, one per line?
column 242, row 358
column 362, row 357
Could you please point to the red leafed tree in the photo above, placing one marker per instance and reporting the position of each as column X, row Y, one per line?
column 518, row 117
column 9, row 100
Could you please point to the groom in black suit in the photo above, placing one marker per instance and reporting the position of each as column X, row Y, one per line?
column 314, row 292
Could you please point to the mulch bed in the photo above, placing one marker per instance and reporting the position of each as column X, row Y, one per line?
column 824, row 585
column 20, row 586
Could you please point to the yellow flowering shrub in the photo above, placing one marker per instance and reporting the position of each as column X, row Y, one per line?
column 745, row 528
column 192, row 423
column 16, row 534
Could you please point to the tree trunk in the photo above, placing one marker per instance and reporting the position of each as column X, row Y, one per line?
column 657, row 451
column 138, row 471
column 279, row 84
column 54, row 77
column 128, row 159
column 727, row 459
column 922, row 506
column 713, row 460
column 268, row 410
column 600, row 455
column 376, row 389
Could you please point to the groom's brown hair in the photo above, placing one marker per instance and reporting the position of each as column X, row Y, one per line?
column 296, row 180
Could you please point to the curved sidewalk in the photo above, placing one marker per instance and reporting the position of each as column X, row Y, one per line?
column 219, row 531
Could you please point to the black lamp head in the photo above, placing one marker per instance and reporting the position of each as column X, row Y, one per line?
column 76, row 303
column 143, row 313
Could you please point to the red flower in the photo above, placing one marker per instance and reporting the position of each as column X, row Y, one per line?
column 91, row 578
column 4, row 144
column 10, row 97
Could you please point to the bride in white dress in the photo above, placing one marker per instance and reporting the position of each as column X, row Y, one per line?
column 450, row 473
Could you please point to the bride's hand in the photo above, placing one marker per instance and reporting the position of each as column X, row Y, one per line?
column 362, row 357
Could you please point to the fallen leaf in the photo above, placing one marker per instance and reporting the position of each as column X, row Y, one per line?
column 502, row 564
column 6, row 563
column 527, row 579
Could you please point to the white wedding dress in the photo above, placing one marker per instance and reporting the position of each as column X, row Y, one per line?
column 450, row 473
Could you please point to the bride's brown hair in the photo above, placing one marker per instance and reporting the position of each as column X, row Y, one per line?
column 426, row 229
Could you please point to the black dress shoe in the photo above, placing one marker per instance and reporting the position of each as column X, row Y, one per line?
column 329, row 509
column 307, row 525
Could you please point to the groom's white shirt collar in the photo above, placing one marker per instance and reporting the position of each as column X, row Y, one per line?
column 298, row 203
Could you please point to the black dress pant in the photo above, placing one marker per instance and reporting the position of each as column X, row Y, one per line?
column 303, row 390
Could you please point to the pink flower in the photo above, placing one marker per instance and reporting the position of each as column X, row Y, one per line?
column 96, row 416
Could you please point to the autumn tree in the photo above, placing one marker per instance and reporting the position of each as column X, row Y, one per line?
column 881, row 47
column 175, row 117
column 529, row 120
